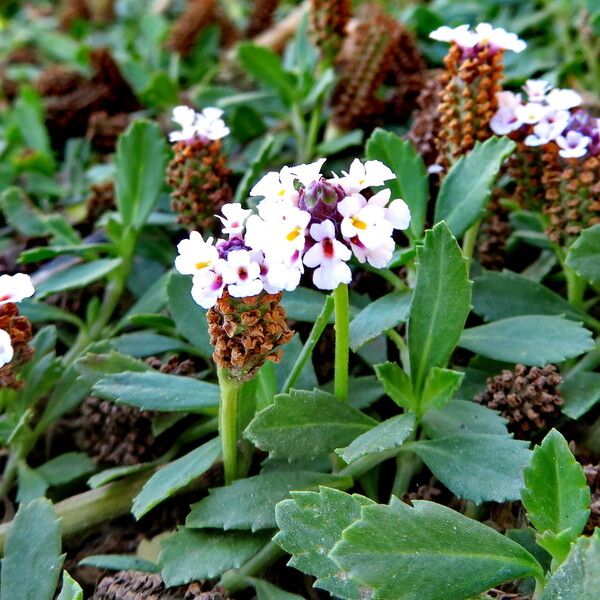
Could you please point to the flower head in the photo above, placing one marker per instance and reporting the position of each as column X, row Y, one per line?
column 361, row 176
column 205, row 124
column 14, row 288
column 6, row 349
column 484, row 35
column 241, row 273
column 277, row 187
column 195, row 254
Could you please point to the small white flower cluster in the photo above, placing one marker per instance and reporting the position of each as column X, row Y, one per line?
column 304, row 220
column 484, row 35
column 206, row 124
column 13, row 288
column 546, row 117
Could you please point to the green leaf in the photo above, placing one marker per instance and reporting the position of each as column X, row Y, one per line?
column 441, row 303
column 310, row 524
column 578, row 578
column 384, row 313
column 174, row 476
column 529, row 339
column 411, row 183
column 29, row 113
column 77, row 276
column 32, row 560
column 580, row 393
column 140, row 160
column 387, row 436
column 31, row 484
column 268, row 591
column 191, row 555
column 113, row 473
column 190, row 319
column 463, row 416
column 119, row 562
column 250, row 503
column 556, row 495
column 440, row 387
column 303, row 304
column 21, row 214
column 584, row 254
column 265, row 66
column 65, row 468
column 146, row 343
column 158, row 391
column 479, row 467
column 468, row 185
column 305, row 424
column 70, row 589
column 502, row 295
column 396, row 384
column 37, row 312
column 428, row 551
column 256, row 168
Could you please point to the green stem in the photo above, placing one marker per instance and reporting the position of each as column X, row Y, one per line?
column 390, row 277
column 313, row 131
column 235, row 580
column 575, row 287
column 299, row 127
column 228, row 424
column 309, row 346
column 10, row 473
column 470, row 239
column 408, row 464
column 342, row 341
column 402, row 349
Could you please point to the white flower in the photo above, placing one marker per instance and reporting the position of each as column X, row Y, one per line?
column 378, row 257
column 6, row 349
column 306, row 174
column 460, row 35
column 530, row 113
column 549, row 128
column 242, row 274
column 195, row 254
column 14, row 288
column 361, row 176
column 277, row 187
column 573, row 145
column 563, row 99
column 207, row 123
column 365, row 221
column 536, row 89
column 398, row 214
column 505, row 121
column 499, row 38
column 234, row 218
column 208, row 286
column 508, row 99
column 328, row 255
column 283, row 275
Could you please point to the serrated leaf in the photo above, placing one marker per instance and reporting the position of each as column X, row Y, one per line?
column 531, row 339
column 578, row 578
column 174, row 476
column 385, row 313
column 119, row 562
column 584, row 254
column 463, row 416
column 556, row 496
column 140, row 161
column 387, row 436
column 158, row 391
column 304, row 424
column 70, row 589
column 310, row 524
column 440, row 387
column 441, row 303
column 32, row 560
column 192, row 555
column 403, row 553
column 580, row 393
column 468, row 185
column 476, row 466
column 250, row 503
column 411, row 183
column 396, row 384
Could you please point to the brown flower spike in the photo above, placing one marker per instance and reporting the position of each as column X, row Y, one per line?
column 246, row 332
column 328, row 22
column 18, row 328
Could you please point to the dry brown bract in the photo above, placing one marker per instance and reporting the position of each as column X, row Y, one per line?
column 18, row 328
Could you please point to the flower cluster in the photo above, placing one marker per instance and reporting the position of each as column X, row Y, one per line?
column 13, row 289
column 205, row 124
column 484, row 34
column 303, row 220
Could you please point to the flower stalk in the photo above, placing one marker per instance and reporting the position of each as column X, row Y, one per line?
column 228, row 424
column 342, row 341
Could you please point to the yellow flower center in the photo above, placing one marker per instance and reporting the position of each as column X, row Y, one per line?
column 293, row 234
column 281, row 192
column 202, row 265
column 358, row 223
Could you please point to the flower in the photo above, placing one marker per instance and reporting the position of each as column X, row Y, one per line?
column 372, row 173
column 277, row 187
column 205, row 124
column 459, row 35
column 505, row 121
column 195, row 254
column 484, row 34
column 563, row 99
column 378, row 257
column 283, row 275
column 14, row 288
column 530, row 113
column 573, row 145
column 508, row 99
column 536, row 89
column 234, row 218
column 306, row 174
column 241, row 273
column 549, row 128
column 6, row 349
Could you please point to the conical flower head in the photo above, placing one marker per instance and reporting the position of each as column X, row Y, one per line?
column 328, row 21
column 15, row 349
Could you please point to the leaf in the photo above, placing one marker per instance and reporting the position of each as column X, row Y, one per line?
column 530, row 339
column 268, row 591
column 250, row 503
column 67, row 467
column 384, row 313
column 304, row 304
column 145, row 343
column 584, row 254
column 140, row 161
column 467, row 187
column 411, row 183
column 428, row 551
column 310, row 524
column 578, row 578
column 440, row 387
column 396, row 384
column 191, row 555
column 38, row 312
column 480, row 467
column 441, row 303
column 190, row 319
column 29, row 113
column 113, row 473
column 556, row 495
column 580, row 393
column 31, row 484
column 32, row 560
column 119, row 562
column 20, row 213
column 158, row 391
column 463, row 416
column 502, row 295
column 174, row 476
column 70, row 589
column 77, row 276
column 387, row 436
column 305, row 424
column 256, row 168
column 265, row 66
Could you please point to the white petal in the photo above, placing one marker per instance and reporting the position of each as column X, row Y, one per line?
column 6, row 349
column 398, row 214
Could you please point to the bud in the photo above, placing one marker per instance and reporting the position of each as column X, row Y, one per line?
column 320, row 199
column 18, row 328
column 328, row 21
column 246, row 332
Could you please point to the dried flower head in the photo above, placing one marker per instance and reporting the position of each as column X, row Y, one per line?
column 328, row 22
column 104, row 129
column 15, row 351
column 261, row 17
column 592, row 474
column 493, row 235
column 135, row 585
column 527, row 397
